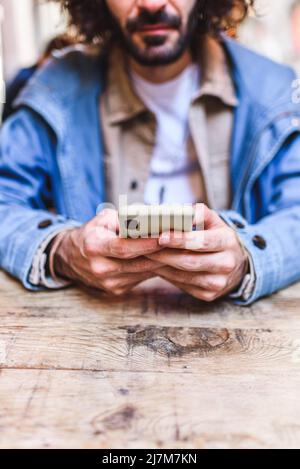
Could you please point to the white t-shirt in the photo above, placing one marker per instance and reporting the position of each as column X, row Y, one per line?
column 171, row 165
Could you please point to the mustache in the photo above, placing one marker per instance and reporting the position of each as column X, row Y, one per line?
column 146, row 18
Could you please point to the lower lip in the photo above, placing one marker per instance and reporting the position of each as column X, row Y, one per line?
column 158, row 30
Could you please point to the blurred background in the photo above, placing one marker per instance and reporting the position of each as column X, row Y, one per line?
column 27, row 25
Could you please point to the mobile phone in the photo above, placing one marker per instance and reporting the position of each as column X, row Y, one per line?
column 149, row 221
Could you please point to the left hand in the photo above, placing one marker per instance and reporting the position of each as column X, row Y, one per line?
column 206, row 264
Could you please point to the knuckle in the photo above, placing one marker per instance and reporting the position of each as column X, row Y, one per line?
column 119, row 291
column 90, row 244
column 222, row 283
column 217, row 283
column 232, row 238
column 98, row 269
column 228, row 264
column 88, row 248
column 111, row 284
column 205, row 282
column 214, row 284
column 209, row 296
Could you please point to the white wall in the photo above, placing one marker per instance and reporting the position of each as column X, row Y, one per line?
column 27, row 25
column 269, row 31
column 49, row 22
column 19, row 45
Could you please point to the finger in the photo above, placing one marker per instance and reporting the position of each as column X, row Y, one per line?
column 207, row 218
column 124, row 280
column 122, row 291
column 216, row 240
column 100, row 241
column 122, row 283
column 203, row 295
column 136, row 279
column 122, row 248
column 204, row 281
column 108, row 219
column 96, row 241
column 140, row 264
column 217, row 263
column 103, row 267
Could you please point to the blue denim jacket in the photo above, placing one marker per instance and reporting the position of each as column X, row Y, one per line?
column 52, row 172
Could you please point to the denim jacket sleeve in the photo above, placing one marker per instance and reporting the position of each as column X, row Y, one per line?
column 26, row 147
column 274, row 240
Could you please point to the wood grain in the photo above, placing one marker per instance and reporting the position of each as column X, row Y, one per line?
column 157, row 369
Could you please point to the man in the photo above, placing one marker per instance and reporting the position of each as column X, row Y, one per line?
column 171, row 110
column 15, row 86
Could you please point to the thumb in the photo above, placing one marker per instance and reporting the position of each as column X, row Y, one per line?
column 206, row 219
column 108, row 219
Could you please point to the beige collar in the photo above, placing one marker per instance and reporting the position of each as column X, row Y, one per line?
column 122, row 104
column 216, row 74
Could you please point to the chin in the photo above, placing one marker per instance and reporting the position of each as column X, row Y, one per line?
column 156, row 54
column 156, row 49
column 156, row 57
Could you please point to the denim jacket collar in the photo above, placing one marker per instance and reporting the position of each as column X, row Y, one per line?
column 81, row 74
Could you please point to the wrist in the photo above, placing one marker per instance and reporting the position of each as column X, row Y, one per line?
column 59, row 265
column 246, row 263
column 244, row 269
column 245, row 258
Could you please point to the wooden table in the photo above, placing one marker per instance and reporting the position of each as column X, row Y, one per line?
column 155, row 370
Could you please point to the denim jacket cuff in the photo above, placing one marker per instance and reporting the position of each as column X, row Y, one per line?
column 37, row 231
column 38, row 275
column 247, row 285
column 264, row 250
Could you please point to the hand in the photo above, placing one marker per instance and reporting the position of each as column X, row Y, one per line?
column 207, row 264
column 95, row 256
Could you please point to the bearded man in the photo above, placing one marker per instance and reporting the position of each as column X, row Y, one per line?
column 164, row 108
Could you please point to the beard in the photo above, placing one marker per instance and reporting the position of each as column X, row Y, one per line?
column 156, row 50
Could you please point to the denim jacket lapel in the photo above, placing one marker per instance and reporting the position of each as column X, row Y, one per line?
column 66, row 93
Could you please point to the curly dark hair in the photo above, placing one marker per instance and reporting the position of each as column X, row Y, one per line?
column 93, row 22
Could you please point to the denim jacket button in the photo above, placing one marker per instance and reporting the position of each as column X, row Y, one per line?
column 259, row 242
column 238, row 224
column 45, row 224
column 133, row 185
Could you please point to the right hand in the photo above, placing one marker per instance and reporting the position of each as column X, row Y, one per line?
column 95, row 256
